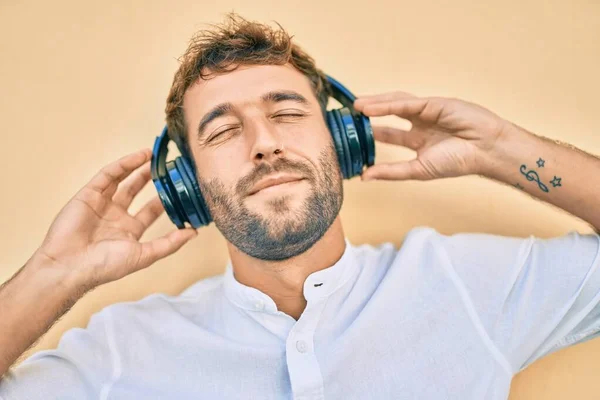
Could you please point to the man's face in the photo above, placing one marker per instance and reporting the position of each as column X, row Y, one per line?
column 254, row 128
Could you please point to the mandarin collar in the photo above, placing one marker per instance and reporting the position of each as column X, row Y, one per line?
column 318, row 285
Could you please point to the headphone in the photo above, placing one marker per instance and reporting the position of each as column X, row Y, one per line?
column 178, row 187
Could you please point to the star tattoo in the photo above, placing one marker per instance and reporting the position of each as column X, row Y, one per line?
column 518, row 186
column 556, row 181
column 540, row 163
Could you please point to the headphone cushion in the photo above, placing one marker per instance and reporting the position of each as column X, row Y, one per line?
column 170, row 182
column 189, row 192
column 337, row 142
column 350, row 132
column 168, row 199
column 342, row 134
column 192, row 183
column 182, row 192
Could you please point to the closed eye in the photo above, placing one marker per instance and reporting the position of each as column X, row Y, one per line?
column 288, row 115
column 220, row 133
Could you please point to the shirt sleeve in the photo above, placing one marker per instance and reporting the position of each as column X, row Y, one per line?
column 78, row 368
column 533, row 296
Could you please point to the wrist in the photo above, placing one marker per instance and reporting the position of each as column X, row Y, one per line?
column 503, row 159
column 65, row 277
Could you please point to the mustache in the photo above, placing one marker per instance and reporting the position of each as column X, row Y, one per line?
column 264, row 169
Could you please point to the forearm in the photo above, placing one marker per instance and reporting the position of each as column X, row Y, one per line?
column 30, row 303
column 549, row 170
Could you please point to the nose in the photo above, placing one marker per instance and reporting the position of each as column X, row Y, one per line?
column 267, row 142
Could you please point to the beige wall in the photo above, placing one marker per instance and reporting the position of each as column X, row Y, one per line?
column 82, row 85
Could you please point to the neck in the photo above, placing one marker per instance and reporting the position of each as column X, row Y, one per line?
column 283, row 281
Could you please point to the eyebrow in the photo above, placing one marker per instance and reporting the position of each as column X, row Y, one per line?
column 275, row 96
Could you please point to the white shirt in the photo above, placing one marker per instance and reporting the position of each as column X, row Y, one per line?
column 443, row 317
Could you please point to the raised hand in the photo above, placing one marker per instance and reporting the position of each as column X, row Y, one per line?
column 451, row 137
column 96, row 238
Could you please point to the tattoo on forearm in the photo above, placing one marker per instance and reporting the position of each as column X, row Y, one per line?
column 532, row 175
column 556, row 181
column 540, row 163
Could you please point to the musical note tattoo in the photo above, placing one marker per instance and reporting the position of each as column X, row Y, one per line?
column 533, row 176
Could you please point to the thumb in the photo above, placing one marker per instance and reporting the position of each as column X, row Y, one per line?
column 405, row 170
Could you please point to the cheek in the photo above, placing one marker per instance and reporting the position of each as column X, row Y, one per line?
column 310, row 142
column 222, row 167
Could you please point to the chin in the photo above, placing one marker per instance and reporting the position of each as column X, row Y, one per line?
column 277, row 203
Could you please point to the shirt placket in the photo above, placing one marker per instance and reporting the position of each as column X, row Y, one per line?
column 303, row 367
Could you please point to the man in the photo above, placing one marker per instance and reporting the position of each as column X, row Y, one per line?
column 300, row 312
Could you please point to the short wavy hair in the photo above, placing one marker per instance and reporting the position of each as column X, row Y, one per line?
column 236, row 41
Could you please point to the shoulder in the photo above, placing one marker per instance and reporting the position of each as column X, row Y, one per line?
column 196, row 298
column 424, row 244
column 470, row 245
column 381, row 258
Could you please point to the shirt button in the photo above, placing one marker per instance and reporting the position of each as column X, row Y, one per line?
column 301, row 346
column 259, row 305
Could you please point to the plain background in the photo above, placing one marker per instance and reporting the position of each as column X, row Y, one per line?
column 83, row 84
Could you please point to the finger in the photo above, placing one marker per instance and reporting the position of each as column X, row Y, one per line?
column 412, row 169
column 107, row 179
column 405, row 108
column 161, row 247
column 362, row 101
column 409, row 139
column 150, row 212
column 131, row 186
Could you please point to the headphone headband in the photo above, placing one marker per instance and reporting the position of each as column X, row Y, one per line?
column 160, row 149
column 340, row 93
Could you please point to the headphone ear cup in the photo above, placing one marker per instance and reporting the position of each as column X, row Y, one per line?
column 337, row 142
column 340, row 132
column 185, row 205
column 367, row 141
column 349, row 129
column 168, row 199
column 171, row 200
column 356, row 134
column 191, row 183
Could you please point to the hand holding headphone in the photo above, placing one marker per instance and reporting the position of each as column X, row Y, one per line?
column 178, row 187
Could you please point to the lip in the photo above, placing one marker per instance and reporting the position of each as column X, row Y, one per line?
column 273, row 180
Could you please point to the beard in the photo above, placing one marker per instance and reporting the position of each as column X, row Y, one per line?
column 285, row 233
